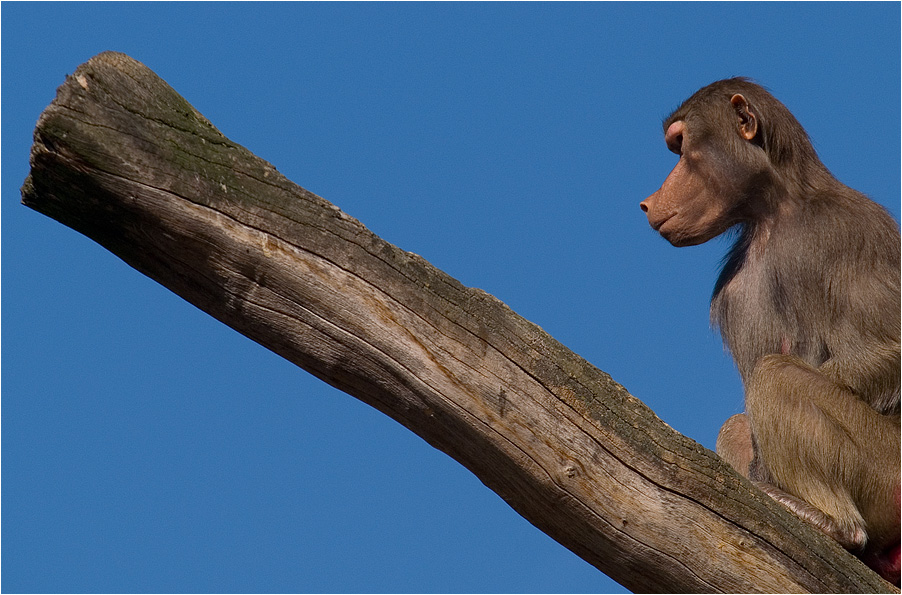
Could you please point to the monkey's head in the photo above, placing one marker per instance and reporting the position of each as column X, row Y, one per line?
column 732, row 140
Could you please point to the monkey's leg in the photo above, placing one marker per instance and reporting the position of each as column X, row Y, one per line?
column 818, row 443
column 734, row 443
column 736, row 446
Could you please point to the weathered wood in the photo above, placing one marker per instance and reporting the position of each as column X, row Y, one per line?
column 122, row 158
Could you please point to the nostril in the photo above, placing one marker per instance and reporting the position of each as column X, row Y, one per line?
column 643, row 206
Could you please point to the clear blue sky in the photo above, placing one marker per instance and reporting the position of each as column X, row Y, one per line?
column 147, row 447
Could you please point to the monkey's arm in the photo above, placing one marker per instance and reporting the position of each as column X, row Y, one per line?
column 863, row 340
column 871, row 373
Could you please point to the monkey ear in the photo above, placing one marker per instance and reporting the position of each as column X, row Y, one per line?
column 748, row 122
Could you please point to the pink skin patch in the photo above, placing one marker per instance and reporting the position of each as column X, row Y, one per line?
column 785, row 346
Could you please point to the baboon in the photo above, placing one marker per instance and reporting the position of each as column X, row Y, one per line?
column 807, row 303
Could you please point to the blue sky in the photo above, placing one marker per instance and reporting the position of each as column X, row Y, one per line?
column 147, row 447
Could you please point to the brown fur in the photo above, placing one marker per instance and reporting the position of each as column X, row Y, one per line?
column 808, row 304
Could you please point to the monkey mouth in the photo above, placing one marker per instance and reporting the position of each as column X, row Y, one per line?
column 657, row 225
column 677, row 237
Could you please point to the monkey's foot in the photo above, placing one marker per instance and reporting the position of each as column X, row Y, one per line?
column 851, row 536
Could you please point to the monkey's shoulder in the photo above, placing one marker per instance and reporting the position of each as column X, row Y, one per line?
column 841, row 230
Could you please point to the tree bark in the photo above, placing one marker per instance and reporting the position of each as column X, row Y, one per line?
column 125, row 160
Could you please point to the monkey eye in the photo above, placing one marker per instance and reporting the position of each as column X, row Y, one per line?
column 674, row 137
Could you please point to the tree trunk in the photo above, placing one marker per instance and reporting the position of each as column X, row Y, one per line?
column 125, row 160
